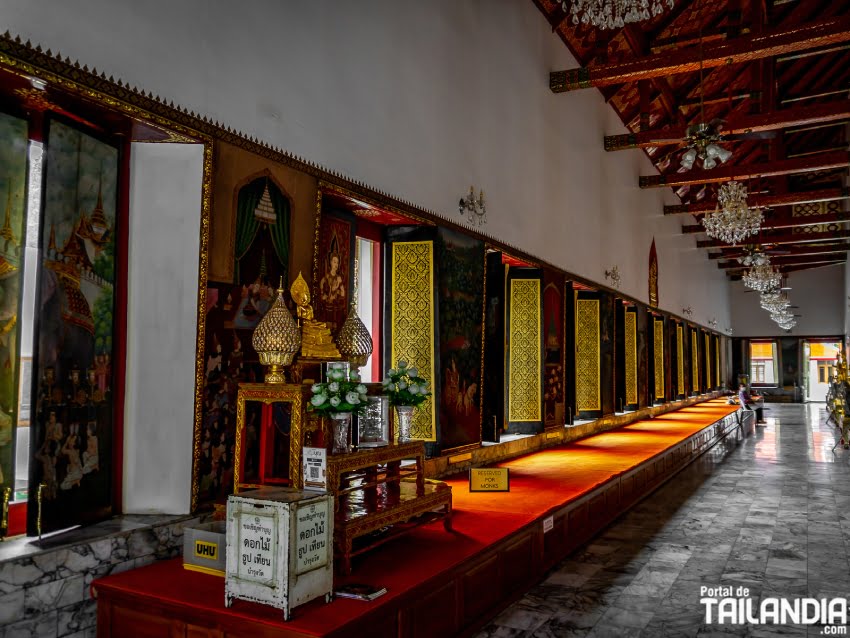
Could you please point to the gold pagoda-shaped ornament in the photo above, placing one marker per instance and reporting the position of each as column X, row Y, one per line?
column 277, row 339
column 353, row 340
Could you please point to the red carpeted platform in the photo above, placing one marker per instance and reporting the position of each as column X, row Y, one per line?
column 541, row 483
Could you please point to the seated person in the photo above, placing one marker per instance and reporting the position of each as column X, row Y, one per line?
column 747, row 403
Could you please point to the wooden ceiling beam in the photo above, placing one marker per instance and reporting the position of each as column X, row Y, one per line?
column 786, row 238
column 733, row 264
column 822, row 161
column 757, row 123
column 793, row 222
column 732, row 252
column 765, row 201
column 778, row 41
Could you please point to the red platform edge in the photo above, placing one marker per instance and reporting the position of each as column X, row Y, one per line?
column 443, row 583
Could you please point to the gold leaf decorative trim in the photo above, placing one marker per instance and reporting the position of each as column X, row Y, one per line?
column 587, row 355
column 631, row 358
column 524, row 351
column 659, row 357
column 412, row 321
column 694, row 361
column 680, row 359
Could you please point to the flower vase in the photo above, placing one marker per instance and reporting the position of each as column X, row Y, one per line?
column 341, row 432
column 405, row 416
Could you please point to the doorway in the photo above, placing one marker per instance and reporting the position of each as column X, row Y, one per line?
column 818, row 368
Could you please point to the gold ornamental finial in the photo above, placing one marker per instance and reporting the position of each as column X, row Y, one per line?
column 277, row 338
column 353, row 340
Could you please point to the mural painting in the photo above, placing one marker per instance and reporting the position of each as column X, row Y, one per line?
column 13, row 174
column 233, row 311
column 461, row 273
column 71, row 440
column 332, row 297
column 553, row 346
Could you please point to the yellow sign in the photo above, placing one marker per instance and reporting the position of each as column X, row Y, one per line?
column 489, row 479
column 205, row 549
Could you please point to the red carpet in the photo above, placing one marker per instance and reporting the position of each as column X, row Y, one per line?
column 541, row 483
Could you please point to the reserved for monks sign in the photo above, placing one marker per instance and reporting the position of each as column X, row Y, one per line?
column 489, row 479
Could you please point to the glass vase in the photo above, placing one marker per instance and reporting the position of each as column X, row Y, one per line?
column 405, row 416
column 341, row 432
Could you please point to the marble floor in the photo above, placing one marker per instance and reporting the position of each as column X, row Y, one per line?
column 769, row 512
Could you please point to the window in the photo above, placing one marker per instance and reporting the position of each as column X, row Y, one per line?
column 763, row 363
column 369, row 300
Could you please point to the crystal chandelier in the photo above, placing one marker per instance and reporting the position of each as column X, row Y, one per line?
column 762, row 277
column 613, row 14
column 732, row 221
column 774, row 301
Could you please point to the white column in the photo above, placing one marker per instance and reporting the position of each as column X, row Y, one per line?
column 165, row 214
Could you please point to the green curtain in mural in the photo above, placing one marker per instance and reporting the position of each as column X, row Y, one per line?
column 13, row 173
column 248, row 224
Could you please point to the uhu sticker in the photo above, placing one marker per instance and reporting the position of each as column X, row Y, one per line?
column 489, row 479
column 205, row 549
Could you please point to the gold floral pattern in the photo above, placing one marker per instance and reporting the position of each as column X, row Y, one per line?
column 694, row 361
column 680, row 360
column 524, row 351
column 708, row 380
column 587, row 355
column 631, row 358
column 412, row 321
column 659, row 358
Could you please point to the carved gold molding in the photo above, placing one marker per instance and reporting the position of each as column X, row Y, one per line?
column 680, row 359
column 587, row 355
column 412, row 321
column 658, row 348
column 524, row 372
column 694, row 361
column 631, row 358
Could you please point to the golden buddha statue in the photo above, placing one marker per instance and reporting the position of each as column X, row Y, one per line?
column 316, row 339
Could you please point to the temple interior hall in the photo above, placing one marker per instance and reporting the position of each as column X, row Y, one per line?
column 399, row 319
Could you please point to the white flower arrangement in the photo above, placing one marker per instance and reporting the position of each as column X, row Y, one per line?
column 404, row 386
column 341, row 393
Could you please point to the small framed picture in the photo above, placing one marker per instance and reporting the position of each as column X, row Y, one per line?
column 373, row 428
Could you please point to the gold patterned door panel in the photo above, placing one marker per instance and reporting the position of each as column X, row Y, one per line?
column 680, row 360
column 694, row 361
column 631, row 358
column 658, row 347
column 587, row 355
column 524, row 357
column 717, row 381
column 412, row 321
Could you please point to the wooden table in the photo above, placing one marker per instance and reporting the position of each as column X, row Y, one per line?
column 374, row 490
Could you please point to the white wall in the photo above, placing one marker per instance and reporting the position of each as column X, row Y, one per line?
column 420, row 99
column 819, row 293
column 165, row 214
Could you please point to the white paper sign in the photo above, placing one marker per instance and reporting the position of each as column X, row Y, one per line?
column 315, row 466
column 311, row 537
column 257, row 546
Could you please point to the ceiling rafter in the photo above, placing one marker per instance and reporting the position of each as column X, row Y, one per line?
column 785, row 222
column 765, row 201
column 799, row 116
column 785, row 238
column 772, row 42
column 836, row 159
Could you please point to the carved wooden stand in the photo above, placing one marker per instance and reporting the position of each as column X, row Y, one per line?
column 372, row 490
